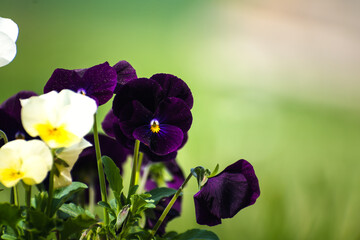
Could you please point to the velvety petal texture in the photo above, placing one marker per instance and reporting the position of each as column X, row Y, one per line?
column 154, row 115
column 97, row 82
column 10, row 117
column 8, row 35
column 125, row 73
column 174, row 87
column 227, row 193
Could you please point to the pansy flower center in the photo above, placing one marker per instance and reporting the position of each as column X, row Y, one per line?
column 155, row 126
column 59, row 135
column 82, row 91
column 19, row 135
column 10, row 174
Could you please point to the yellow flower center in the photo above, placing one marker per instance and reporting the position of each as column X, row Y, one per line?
column 56, row 135
column 10, row 174
column 154, row 126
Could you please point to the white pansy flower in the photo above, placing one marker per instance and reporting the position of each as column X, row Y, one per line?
column 8, row 35
column 60, row 119
column 29, row 161
column 69, row 155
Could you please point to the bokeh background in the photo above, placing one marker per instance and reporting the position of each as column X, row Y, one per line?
column 275, row 82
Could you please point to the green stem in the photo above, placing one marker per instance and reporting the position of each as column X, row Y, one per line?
column 16, row 195
column 51, row 189
column 3, row 135
column 100, row 170
column 27, row 195
column 134, row 165
column 169, row 206
column 138, row 168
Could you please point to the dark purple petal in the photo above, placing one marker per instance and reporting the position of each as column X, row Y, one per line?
column 147, row 92
column 155, row 157
column 176, row 172
column 125, row 73
column 164, row 142
column 109, row 122
column 10, row 117
column 97, row 82
column 174, row 111
column 12, row 105
column 227, row 193
column 174, row 87
column 137, row 115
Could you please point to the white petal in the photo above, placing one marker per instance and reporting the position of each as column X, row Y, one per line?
column 7, row 49
column 36, row 150
column 67, row 109
column 32, row 160
column 63, row 180
column 79, row 117
column 34, row 111
column 9, row 27
column 71, row 154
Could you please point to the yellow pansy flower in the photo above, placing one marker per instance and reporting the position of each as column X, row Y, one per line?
column 29, row 161
column 60, row 119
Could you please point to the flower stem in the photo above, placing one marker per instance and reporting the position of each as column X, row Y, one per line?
column 16, row 195
column 138, row 168
column 169, row 206
column 100, row 170
column 27, row 194
column 51, row 189
column 3, row 135
column 134, row 165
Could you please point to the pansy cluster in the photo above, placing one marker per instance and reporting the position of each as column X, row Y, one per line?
column 46, row 142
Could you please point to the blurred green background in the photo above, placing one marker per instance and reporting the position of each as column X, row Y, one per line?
column 275, row 82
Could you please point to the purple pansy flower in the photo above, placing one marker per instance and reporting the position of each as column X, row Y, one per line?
column 125, row 73
column 10, row 117
column 85, row 168
column 97, row 82
column 152, row 112
column 152, row 215
column 111, row 127
column 227, row 193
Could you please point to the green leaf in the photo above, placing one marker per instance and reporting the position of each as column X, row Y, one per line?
column 10, row 215
column 74, row 210
column 197, row 234
column 8, row 237
column 133, row 190
column 61, row 195
column 140, row 202
column 39, row 223
column 108, row 207
column 74, row 226
column 158, row 193
column 112, row 173
column 40, row 201
column 214, row 172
